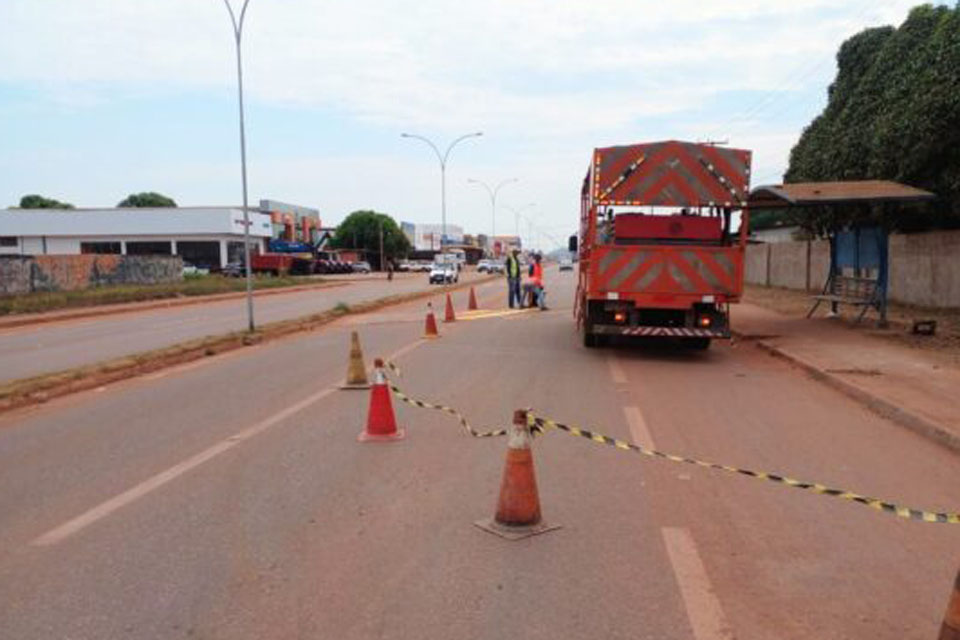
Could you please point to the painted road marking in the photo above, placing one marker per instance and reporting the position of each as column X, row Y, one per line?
column 617, row 374
column 121, row 500
column 703, row 609
column 638, row 428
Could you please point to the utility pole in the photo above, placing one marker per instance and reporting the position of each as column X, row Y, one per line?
column 383, row 264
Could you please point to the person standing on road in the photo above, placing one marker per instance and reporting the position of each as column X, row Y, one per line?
column 513, row 279
column 536, row 279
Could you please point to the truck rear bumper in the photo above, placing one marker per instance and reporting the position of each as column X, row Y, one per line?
column 659, row 332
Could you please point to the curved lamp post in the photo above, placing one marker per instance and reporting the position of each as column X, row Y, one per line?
column 237, row 36
column 442, row 157
column 492, row 192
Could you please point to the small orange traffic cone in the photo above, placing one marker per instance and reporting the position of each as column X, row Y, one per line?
column 356, row 370
column 472, row 306
column 430, row 328
column 381, row 421
column 450, row 316
column 951, row 621
column 518, row 507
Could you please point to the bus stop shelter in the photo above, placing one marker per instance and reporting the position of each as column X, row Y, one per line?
column 859, row 250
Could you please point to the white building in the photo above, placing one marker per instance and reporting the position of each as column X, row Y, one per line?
column 203, row 236
column 426, row 237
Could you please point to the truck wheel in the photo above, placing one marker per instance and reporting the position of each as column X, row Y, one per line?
column 699, row 344
column 590, row 340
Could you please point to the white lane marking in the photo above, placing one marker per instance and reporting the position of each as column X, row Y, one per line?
column 703, row 609
column 638, row 427
column 121, row 500
column 113, row 504
column 617, row 374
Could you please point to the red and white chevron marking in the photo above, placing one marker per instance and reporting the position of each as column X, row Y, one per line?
column 666, row 332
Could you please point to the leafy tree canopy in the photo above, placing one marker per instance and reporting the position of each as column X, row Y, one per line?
column 34, row 201
column 893, row 114
column 146, row 199
column 361, row 230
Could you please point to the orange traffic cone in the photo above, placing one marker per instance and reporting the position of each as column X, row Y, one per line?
column 381, row 421
column 951, row 621
column 430, row 329
column 450, row 316
column 518, row 507
column 472, row 306
column 356, row 371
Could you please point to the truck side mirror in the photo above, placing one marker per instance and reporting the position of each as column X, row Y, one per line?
column 572, row 244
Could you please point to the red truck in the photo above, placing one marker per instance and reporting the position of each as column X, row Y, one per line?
column 658, row 253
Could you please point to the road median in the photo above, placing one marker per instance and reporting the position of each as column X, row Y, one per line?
column 40, row 389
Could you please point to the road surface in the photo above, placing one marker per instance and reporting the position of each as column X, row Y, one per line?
column 34, row 350
column 230, row 499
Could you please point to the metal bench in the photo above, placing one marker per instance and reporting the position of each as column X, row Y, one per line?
column 855, row 291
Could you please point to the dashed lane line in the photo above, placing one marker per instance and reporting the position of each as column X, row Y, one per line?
column 703, row 608
column 107, row 508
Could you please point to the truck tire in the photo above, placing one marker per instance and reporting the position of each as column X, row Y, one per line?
column 699, row 344
column 590, row 340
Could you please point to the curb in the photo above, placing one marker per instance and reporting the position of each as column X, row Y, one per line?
column 930, row 430
column 18, row 394
column 15, row 321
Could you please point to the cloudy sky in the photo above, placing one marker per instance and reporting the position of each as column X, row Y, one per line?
column 102, row 98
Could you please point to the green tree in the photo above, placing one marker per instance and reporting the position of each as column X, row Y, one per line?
column 34, row 201
column 146, row 199
column 361, row 230
column 892, row 114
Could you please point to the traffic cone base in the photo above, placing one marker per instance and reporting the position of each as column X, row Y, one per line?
column 399, row 434
column 515, row 533
column 356, row 371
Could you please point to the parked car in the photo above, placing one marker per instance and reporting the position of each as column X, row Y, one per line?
column 444, row 274
column 233, row 270
column 422, row 266
column 361, row 267
column 484, row 266
column 194, row 270
column 566, row 264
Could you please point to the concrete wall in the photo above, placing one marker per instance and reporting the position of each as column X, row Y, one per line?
column 924, row 267
column 69, row 273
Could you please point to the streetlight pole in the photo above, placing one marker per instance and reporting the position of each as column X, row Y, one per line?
column 442, row 157
column 492, row 192
column 237, row 36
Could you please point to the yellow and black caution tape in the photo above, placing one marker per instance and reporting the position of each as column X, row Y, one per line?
column 438, row 407
column 873, row 503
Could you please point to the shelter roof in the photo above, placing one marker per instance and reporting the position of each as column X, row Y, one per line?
column 804, row 194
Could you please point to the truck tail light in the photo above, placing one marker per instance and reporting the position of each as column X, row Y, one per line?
column 620, row 317
column 706, row 322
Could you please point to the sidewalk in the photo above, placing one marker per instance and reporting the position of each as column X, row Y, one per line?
column 916, row 389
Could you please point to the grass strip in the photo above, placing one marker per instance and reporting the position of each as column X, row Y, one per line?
column 40, row 389
column 191, row 286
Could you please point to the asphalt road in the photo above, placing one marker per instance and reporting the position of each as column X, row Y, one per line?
column 33, row 350
column 230, row 499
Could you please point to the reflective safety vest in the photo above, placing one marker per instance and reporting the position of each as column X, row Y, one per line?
column 537, row 277
column 513, row 267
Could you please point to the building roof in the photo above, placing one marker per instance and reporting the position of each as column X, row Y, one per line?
column 166, row 221
column 801, row 194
